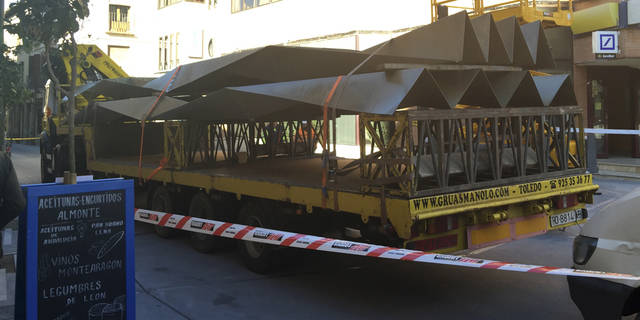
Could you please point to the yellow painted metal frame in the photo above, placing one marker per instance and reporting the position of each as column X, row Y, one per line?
column 174, row 143
column 364, row 205
column 90, row 55
column 386, row 165
column 461, row 232
column 525, row 11
column 400, row 212
column 516, row 193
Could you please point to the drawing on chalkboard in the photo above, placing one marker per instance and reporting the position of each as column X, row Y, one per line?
column 109, row 311
column 93, row 250
column 95, row 312
column 110, row 244
column 122, row 300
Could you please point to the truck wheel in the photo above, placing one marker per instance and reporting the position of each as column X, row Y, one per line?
column 258, row 257
column 203, row 207
column 161, row 201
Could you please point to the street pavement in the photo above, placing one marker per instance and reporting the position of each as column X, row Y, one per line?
column 175, row 282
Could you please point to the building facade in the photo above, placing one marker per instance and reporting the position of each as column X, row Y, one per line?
column 149, row 37
column 607, row 85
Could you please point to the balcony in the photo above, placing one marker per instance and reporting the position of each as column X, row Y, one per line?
column 122, row 27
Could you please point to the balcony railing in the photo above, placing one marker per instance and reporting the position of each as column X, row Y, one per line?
column 119, row 27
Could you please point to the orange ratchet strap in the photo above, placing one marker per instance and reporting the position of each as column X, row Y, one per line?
column 153, row 107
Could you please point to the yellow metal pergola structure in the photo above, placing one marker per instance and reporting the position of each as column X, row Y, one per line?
column 551, row 13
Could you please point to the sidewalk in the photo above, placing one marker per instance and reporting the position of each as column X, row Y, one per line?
column 624, row 167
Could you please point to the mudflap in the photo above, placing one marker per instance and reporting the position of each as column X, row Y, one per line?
column 598, row 298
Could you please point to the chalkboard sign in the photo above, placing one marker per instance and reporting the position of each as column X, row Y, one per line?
column 79, row 251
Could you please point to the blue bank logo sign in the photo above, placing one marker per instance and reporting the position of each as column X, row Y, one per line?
column 605, row 41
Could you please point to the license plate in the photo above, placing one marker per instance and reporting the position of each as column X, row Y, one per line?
column 565, row 218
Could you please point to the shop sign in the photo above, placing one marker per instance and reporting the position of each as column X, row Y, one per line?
column 605, row 42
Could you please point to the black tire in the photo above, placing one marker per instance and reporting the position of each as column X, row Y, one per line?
column 202, row 206
column 161, row 201
column 258, row 257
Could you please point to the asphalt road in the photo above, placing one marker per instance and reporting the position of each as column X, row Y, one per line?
column 176, row 282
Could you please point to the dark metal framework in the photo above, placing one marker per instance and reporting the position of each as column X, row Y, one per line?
column 411, row 153
column 437, row 151
column 189, row 143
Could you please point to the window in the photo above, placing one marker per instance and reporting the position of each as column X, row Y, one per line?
column 165, row 46
column 163, row 54
column 168, row 51
column 171, row 51
column 160, row 60
column 194, row 44
column 166, row 3
column 240, row 5
column 119, row 54
column 119, row 19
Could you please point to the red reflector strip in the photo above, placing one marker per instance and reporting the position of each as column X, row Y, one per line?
column 222, row 228
column 412, row 256
column 164, row 219
column 316, row 244
column 182, row 222
column 244, row 231
column 288, row 241
column 542, row 269
column 378, row 252
column 494, row 265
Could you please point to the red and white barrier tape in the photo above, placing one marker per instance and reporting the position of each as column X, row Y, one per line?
column 303, row 241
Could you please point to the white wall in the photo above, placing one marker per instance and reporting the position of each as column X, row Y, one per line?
column 316, row 23
column 192, row 21
column 290, row 20
column 95, row 30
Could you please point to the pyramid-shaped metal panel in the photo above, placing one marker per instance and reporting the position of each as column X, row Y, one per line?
column 269, row 65
column 514, row 42
column 490, row 40
column 377, row 93
column 286, row 83
column 555, row 90
column 450, row 39
column 505, row 84
column 526, row 94
column 538, row 44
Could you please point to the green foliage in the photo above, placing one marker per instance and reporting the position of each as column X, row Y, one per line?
column 52, row 24
column 12, row 91
column 45, row 22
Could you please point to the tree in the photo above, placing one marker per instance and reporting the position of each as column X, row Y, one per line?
column 52, row 25
column 12, row 90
